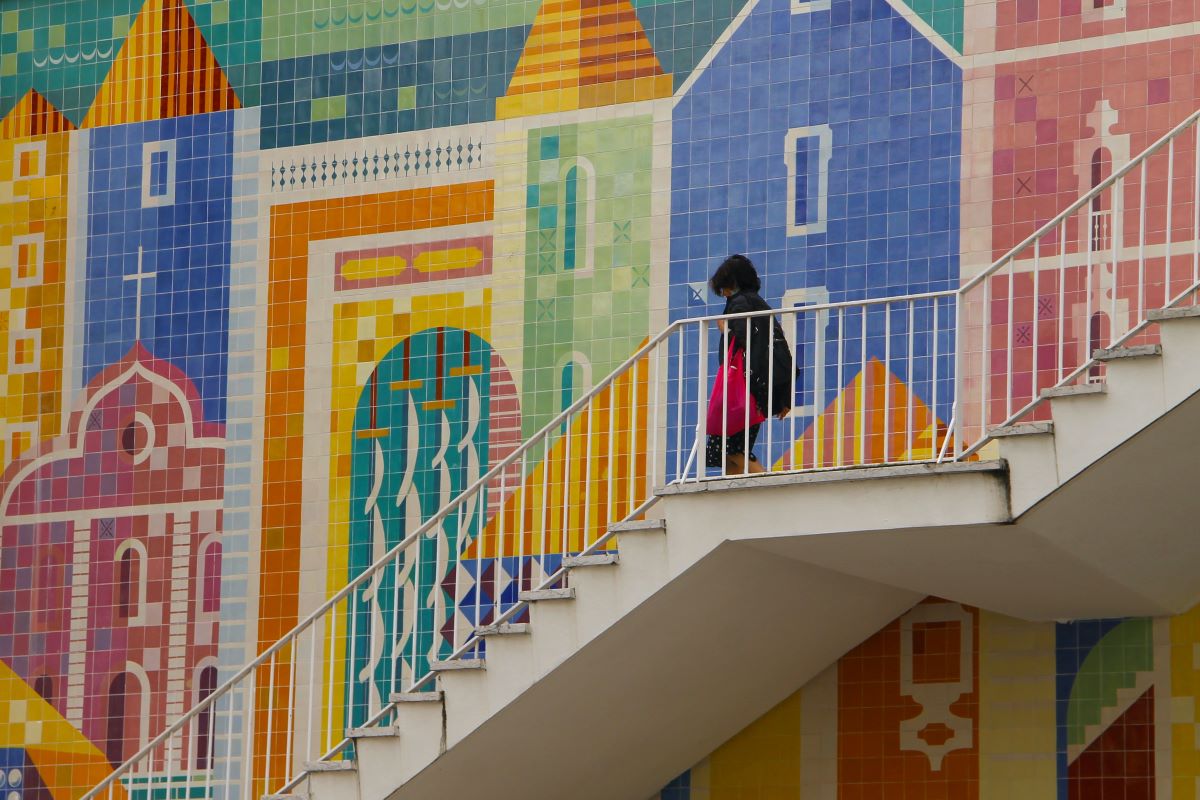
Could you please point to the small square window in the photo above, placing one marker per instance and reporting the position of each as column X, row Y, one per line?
column 30, row 159
column 158, row 174
column 27, row 257
column 21, row 437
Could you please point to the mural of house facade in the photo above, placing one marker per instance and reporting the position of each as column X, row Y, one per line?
column 277, row 283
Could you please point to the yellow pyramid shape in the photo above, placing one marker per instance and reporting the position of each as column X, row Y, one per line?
column 33, row 115
column 165, row 69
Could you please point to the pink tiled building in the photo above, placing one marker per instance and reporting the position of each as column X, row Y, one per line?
column 111, row 559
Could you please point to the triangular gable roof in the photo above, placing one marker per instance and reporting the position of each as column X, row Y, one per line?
column 583, row 54
column 165, row 69
column 33, row 115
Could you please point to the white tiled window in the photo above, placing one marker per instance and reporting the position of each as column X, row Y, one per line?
column 28, row 258
column 158, row 174
column 29, row 160
column 807, row 152
column 808, row 6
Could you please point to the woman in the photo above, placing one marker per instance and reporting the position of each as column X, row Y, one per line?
column 737, row 281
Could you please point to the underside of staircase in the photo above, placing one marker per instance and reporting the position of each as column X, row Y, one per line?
column 743, row 589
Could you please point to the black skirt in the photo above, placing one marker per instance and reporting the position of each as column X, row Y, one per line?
column 735, row 445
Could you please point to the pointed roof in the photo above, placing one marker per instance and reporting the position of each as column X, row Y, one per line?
column 165, row 69
column 33, row 115
column 583, row 54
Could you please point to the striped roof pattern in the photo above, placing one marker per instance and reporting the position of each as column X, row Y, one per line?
column 34, row 115
column 576, row 44
column 165, row 69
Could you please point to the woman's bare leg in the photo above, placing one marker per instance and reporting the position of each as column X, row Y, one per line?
column 735, row 465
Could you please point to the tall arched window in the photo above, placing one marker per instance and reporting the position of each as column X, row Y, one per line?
column 1101, row 222
column 131, row 580
column 114, row 737
column 210, row 577
column 1097, row 334
column 577, row 215
column 204, row 720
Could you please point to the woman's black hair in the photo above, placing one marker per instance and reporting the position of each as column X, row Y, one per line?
column 735, row 272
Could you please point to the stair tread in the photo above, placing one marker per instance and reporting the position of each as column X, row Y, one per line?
column 372, row 733
column 1075, row 390
column 596, row 560
column 1161, row 314
column 638, row 525
column 1022, row 429
column 1138, row 351
column 330, row 766
column 458, row 664
column 504, row 629
column 415, row 697
column 547, row 594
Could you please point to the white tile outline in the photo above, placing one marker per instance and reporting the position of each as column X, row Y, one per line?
column 19, row 333
column 824, row 136
column 149, row 150
column 29, row 147
column 38, row 240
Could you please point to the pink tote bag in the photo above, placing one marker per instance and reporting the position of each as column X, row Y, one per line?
column 731, row 406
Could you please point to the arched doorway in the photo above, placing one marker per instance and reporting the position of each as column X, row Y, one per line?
column 420, row 437
column 114, row 737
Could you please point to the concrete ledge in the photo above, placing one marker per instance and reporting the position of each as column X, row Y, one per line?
column 504, row 629
column 598, row 560
column 457, row 664
column 1141, row 351
column 372, row 733
column 330, row 766
column 640, row 526
column 1164, row 314
column 845, row 474
column 1022, row 429
column 547, row 594
column 415, row 697
column 1075, row 390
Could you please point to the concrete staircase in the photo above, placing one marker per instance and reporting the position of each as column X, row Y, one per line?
column 743, row 589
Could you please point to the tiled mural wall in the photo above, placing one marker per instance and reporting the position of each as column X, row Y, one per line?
column 248, row 247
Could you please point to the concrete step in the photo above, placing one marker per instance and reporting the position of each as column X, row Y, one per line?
column 458, row 664
column 1023, row 429
column 538, row 595
column 415, row 697
column 332, row 780
column 1074, row 390
column 504, row 629
column 1183, row 312
column 1138, row 351
column 374, row 732
column 640, row 526
column 597, row 560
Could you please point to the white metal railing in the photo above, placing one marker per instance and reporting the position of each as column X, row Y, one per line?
column 919, row 378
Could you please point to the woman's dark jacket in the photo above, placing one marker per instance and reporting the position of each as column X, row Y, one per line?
column 766, row 344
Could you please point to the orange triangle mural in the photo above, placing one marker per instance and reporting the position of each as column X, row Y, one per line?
column 165, row 69
column 33, row 115
column 874, row 420
column 583, row 54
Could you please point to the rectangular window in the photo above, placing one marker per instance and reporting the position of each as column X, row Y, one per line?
column 807, row 152
column 809, row 6
column 24, row 345
column 158, row 174
column 27, row 259
column 30, row 160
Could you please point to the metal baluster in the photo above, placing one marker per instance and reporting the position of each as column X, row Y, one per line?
column 1037, row 274
column 501, row 545
column 770, row 421
column 287, row 758
column 1142, row 245
column 934, row 444
column 587, row 477
column 1010, row 343
column 1117, row 226
column 1062, row 303
column 862, row 388
column 839, row 422
column 724, row 367
column 270, row 721
column 749, row 398
column 910, row 368
column 796, row 330
column 633, row 440
column 329, row 664
column 887, row 383
column 679, row 405
column 545, row 504
column 248, row 781
column 312, row 674
column 1170, row 226
column 521, row 521
column 566, row 490
column 702, row 397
